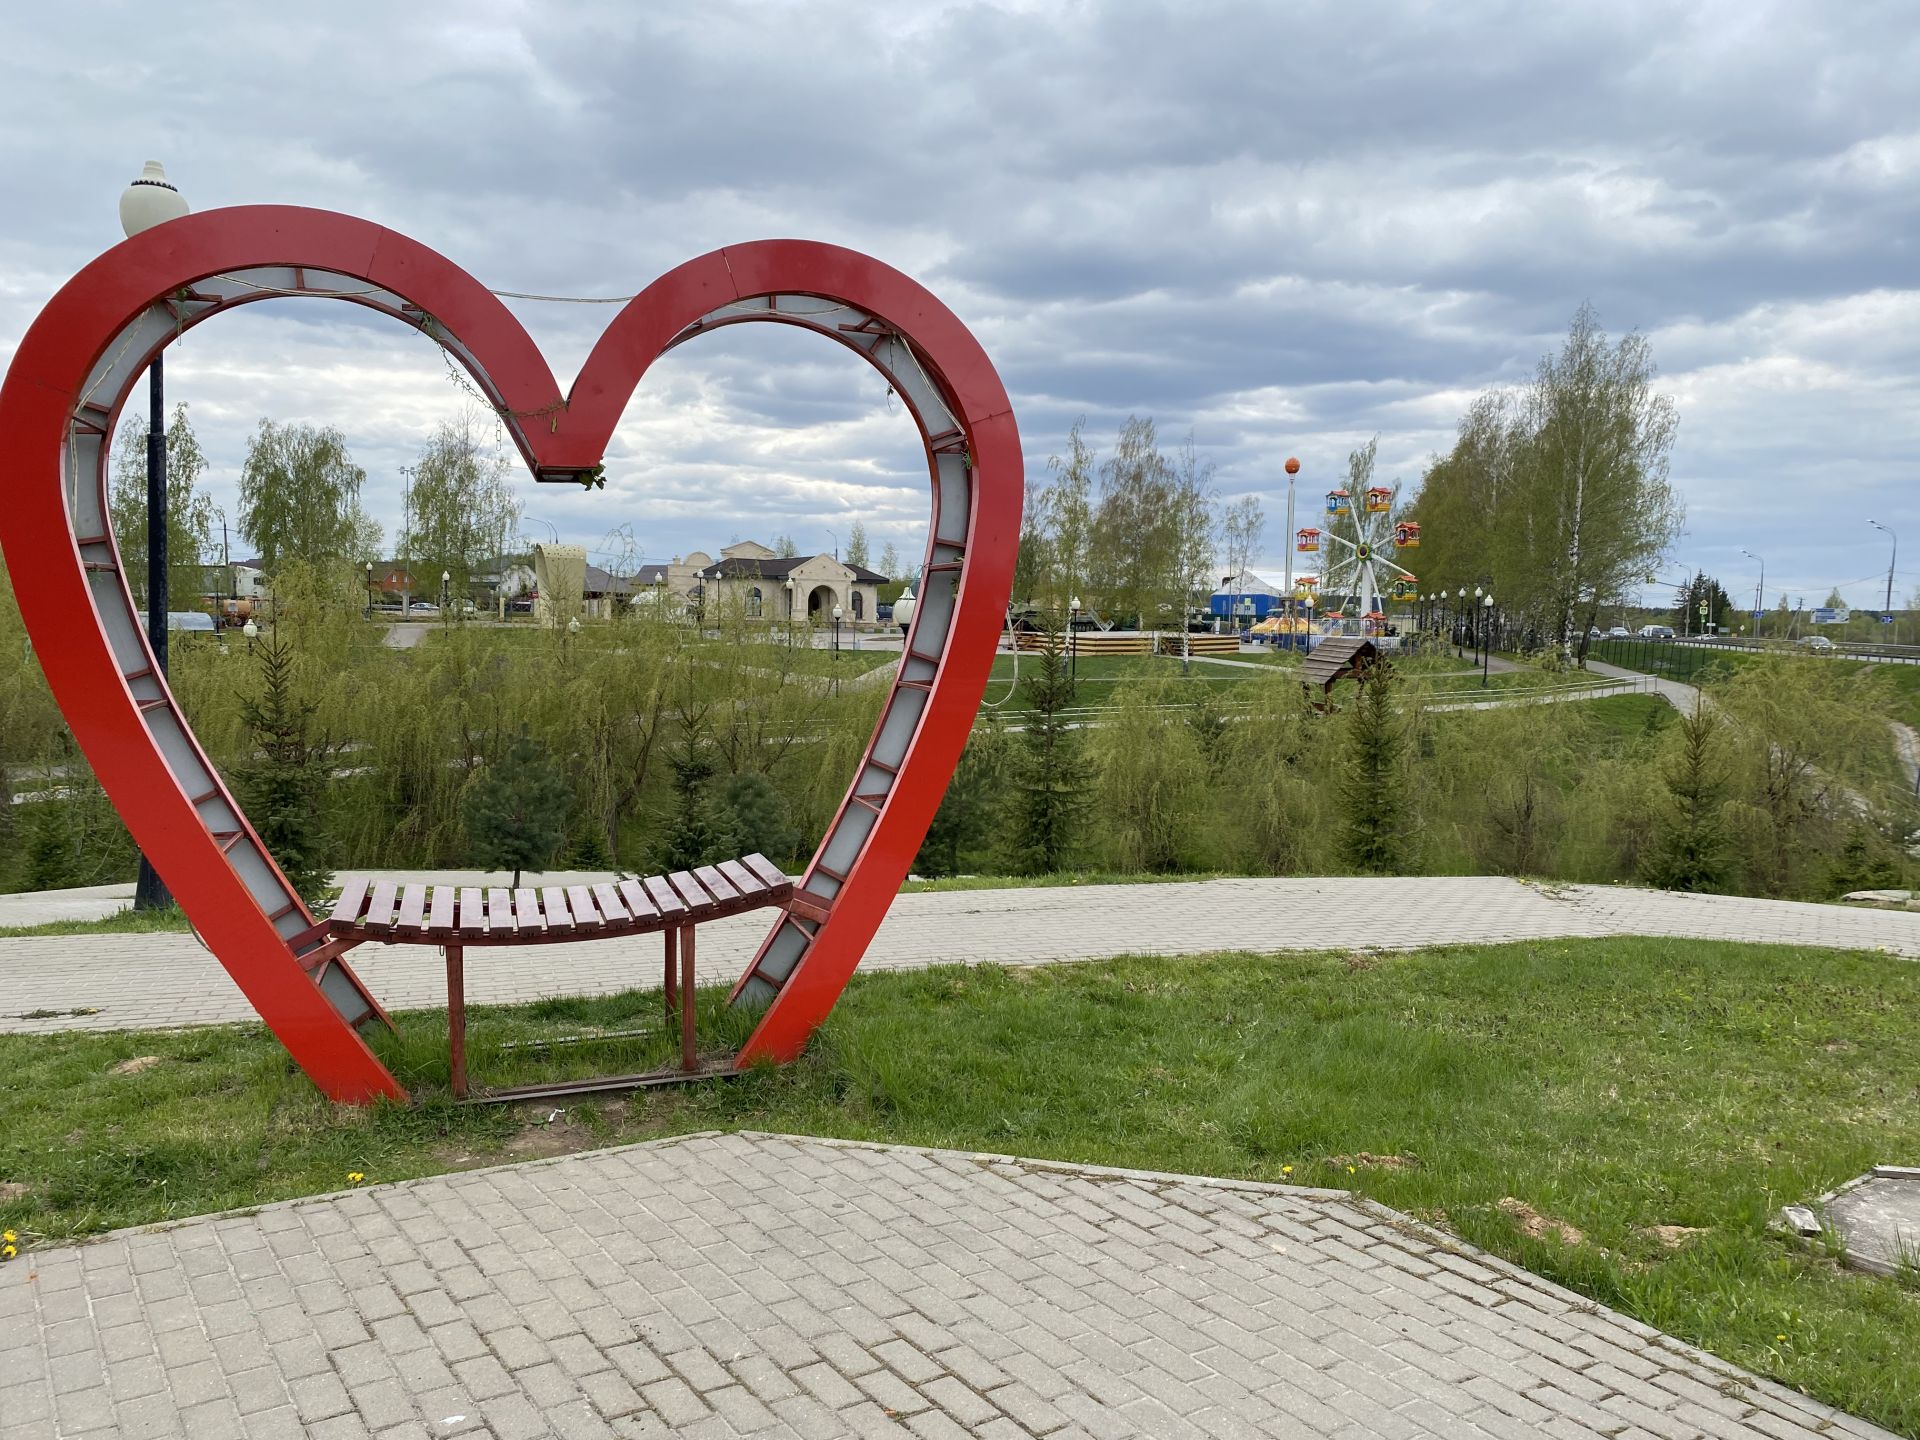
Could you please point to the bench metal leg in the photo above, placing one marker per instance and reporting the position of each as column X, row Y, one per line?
column 670, row 986
column 689, row 1059
column 457, row 1018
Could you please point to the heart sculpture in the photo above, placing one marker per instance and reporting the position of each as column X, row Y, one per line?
column 78, row 362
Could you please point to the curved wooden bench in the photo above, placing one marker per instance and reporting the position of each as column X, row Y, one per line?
column 456, row 917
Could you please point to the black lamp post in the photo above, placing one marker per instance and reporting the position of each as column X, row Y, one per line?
column 446, row 582
column 1459, row 624
column 836, row 629
column 1073, row 637
column 369, row 590
column 1486, row 664
column 147, row 202
column 789, row 612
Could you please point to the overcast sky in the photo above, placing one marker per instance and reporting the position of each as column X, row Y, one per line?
column 1283, row 228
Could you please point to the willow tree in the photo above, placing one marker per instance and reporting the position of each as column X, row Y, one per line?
column 300, row 497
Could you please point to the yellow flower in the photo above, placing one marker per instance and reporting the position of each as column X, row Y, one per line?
column 1350, row 1170
column 8, row 1238
column 1286, row 1169
column 1781, row 1338
column 355, row 1177
column 7, row 1252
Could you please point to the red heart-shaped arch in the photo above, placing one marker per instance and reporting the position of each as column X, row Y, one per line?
column 81, row 357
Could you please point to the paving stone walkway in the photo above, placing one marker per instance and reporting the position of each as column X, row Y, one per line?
column 122, row 982
column 732, row 1285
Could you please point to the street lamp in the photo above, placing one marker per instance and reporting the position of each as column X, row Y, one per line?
column 836, row 629
column 369, row 590
column 149, row 201
column 1073, row 637
column 1890, row 562
column 1759, row 592
column 789, row 612
column 251, row 631
column 446, row 580
column 1486, row 605
column 1459, row 630
column 903, row 609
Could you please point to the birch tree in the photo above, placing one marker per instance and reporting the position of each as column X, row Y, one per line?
column 460, row 510
column 1601, row 439
column 191, row 513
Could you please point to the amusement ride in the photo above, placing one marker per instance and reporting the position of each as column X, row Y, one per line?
column 1360, row 536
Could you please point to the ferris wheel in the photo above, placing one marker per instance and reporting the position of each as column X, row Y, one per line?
column 1360, row 541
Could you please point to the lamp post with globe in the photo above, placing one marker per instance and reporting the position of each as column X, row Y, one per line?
column 149, row 201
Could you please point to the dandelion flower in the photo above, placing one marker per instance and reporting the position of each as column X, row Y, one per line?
column 1286, row 1169
column 7, row 1252
column 355, row 1177
column 8, row 1237
column 1781, row 1338
column 1351, row 1170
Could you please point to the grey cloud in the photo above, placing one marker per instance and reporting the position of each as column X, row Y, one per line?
column 1285, row 227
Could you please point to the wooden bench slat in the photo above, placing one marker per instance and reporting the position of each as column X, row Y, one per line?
column 553, row 900
column 639, row 904
column 766, row 870
column 352, row 897
column 585, row 912
column 744, row 880
column 664, row 899
column 473, row 915
column 500, row 912
column 611, row 910
column 413, row 907
column 440, row 915
column 527, row 918
column 690, row 890
column 380, row 907
column 716, row 884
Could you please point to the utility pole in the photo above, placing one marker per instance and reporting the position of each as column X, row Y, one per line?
column 1293, row 469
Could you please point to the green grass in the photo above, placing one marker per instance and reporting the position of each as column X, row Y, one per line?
column 1621, row 720
column 170, row 921
column 1613, row 1084
column 1060, row 880
column 800, row 659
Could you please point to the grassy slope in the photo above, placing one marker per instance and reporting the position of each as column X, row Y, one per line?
column 1612, row 1084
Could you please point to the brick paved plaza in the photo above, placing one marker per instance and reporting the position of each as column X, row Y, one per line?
column 148, row 981
column 715, row 1286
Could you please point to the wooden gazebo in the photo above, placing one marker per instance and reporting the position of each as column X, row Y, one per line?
column 1338, row 657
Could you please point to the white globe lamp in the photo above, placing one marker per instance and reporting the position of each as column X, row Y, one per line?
column 150, row 200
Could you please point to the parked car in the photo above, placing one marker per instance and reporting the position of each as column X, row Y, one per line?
column 1619, row 632
column 1816, row 642
column 1656, row 632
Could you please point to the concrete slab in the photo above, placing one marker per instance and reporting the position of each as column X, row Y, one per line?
column 1877, row 1219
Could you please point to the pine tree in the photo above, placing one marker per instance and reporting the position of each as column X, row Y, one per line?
column 698, row 833
column 970, row 810
column 1690, row 850
column 1053, row 775
column 282, row 780
column 1372, row 777
column 756, row 816
column 517, row 811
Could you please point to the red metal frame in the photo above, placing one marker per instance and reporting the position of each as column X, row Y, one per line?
column 43, row 391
